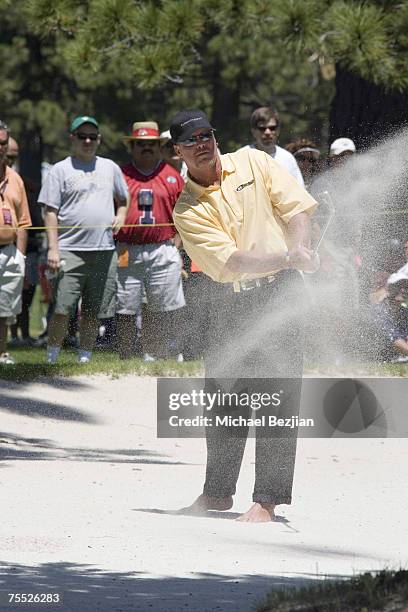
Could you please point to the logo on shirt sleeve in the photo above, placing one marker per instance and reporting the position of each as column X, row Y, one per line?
column 241, row 187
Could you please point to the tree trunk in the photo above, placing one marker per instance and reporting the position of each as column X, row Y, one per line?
column 367, row 113
column 363, row 111
column 31, row 155
column 225, row 106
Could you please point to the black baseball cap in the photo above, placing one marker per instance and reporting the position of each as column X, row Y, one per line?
column 186, row 122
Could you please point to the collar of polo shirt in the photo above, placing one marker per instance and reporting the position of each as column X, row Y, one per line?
column 197, row 190
column 227, row 165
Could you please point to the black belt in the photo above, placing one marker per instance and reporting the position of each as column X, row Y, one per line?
column 254, row 283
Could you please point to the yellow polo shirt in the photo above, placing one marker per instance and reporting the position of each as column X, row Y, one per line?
column 248, row 211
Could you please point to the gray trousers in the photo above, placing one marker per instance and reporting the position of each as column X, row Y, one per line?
column 255, row 344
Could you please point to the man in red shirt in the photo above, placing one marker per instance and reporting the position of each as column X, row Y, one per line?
column 148, row 257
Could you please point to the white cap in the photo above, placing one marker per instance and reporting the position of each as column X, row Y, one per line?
column 165, row 135
column 341, row 145
column 401, row 274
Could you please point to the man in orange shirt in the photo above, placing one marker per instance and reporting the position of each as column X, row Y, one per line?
column 14, row 217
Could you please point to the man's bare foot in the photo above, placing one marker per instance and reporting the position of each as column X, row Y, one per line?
column 205, row 502
column 258, row 513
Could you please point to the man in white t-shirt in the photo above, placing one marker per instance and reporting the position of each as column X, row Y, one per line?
column 264, row 124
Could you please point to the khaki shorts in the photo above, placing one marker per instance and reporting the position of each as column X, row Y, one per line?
column 12, row 267
column 153, row 270
column 90, row 275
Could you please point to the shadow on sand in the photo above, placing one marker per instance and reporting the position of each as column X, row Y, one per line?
column 213, row 514
column 19, row 448
column 89, row 589
column 11, row 401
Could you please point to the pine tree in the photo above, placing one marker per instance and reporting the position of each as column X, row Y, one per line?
column 144, row 59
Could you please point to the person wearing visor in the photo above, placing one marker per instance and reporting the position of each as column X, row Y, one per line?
column 85, row 199
column 149, row 261
column 307, row 156
column 245, row 221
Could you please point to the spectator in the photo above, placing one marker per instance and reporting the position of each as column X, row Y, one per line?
column 170, row 156
column 14, row 217
column 80, row 191
column 34, row 246
column 336, row 284
column 195, row 283
column 340, row 250
column 307, row 157
column 265, row 127
column 340, row 150
column 391, row 318
column 389, row 258
column 148, row 257
column 13, row 153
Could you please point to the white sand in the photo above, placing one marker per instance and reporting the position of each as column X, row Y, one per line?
column 87, row 492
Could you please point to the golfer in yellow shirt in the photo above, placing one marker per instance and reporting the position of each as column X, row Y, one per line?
column 245, row 221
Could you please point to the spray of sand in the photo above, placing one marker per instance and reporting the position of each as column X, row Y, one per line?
column 369, row 193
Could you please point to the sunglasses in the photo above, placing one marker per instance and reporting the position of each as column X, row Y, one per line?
column 83, row 136
column 305, row 158
column 263, row 128
column 145, row 143
column 190, row 142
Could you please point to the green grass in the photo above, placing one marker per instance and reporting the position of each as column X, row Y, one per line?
column 358, row 370
column 30, row 365
column 386, row 591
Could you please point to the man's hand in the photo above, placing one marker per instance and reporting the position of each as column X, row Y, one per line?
column 119, row 221
column 303, row 259
column 53, row 259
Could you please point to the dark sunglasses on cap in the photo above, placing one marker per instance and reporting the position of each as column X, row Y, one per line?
column 145, row 143
column 263, row 128
column 83, row 136
column 204, row 137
